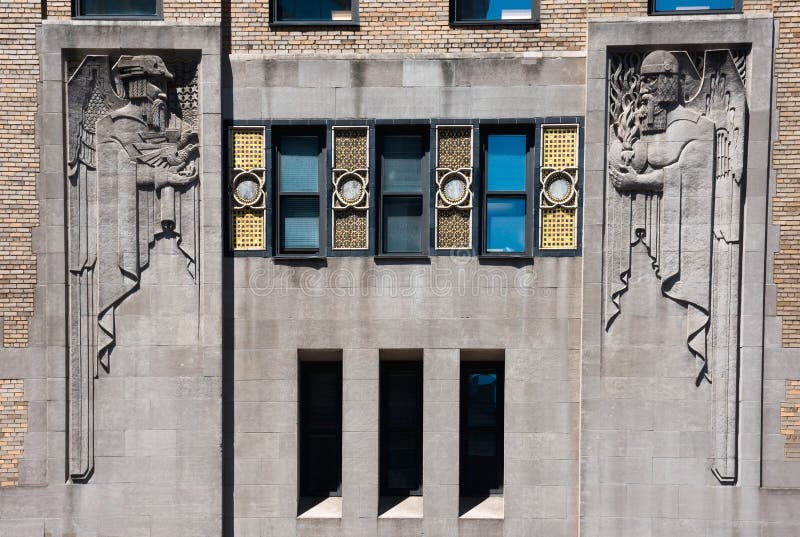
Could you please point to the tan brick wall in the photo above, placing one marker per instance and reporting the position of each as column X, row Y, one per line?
column 13, row 426
column 19, row 212
column 790, row 421
column 206, row 10
column 388, row 26
column 786, row 158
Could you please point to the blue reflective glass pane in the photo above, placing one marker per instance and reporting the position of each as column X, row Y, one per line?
column 402, row 163
column 494, row 10
column 505, row 225
column 482, row 400
column 90, row 8
column 691, row 5
column 505, row 162
column 314, row 10
column 300, row 223
column 402, row 221
column 299, row 164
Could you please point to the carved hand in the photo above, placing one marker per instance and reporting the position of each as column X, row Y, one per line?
column 186, row 176
column 623, row 178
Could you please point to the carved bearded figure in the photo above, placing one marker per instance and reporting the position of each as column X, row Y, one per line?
column 675, row 168
column 132, row 173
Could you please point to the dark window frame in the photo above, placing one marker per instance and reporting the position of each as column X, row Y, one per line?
column 158, row 15
column 276, row 22
column 424, row 194
column 278, row 132
column 304, row 430
column 497, row 367
column 651, row 9
column 529, row 130
column 385, row 367
column 535, row 19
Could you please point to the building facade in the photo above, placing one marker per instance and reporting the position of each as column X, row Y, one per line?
column 361, row 268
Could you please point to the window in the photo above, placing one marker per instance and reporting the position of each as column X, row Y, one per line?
column 695, row 6
column 401, row 428
column 481, row 436
column 310, row 12
column 300, row 172
column 320, row 429
column 118, row 8
column 507, row 185
column 494, row 11
column 405, row 187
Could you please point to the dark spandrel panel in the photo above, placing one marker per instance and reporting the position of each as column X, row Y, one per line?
column 482, row 400
column 693, row 5
column 402, row 163
column 299, row 164
column 402, row 399
column 314, row 10
column 494, row 10
column 322, row 394
column 505, row 225
column 505, row 163
column 402, row 231
column 322, row 462
column 129, row 8
column 402, row 454
column 300, row 223
column 482, row 444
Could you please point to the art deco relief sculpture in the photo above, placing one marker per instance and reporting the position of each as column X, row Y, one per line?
column 675, row 170
column 132, row 173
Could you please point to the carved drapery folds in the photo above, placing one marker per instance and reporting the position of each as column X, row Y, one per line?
column 677, row 123
column 454, row 187
column 132, row 174
column 350, row 198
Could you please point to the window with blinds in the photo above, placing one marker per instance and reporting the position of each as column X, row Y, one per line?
column 404, row 191
column 300, row 174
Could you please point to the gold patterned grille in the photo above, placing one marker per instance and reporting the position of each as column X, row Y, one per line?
column 351, row 149
column 248, row 229
column 559, row 207
column 559, row 147
column 453, row 229
column 454, row 187
column 248, row 148
column 350, row 200
column 351, row 230
column 247, row 214
column 455, row 148
column 558, row 229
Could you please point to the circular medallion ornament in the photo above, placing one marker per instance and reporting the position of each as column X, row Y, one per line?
column 247, row 189
column 454, row 189
column 351, row 190
column 558, row 187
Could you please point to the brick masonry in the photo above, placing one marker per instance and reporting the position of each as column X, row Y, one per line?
column 13, row 425
column 790, row 420
column 19, row 211
column 786, row 161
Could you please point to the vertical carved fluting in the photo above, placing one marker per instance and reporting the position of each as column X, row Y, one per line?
column 682, row 202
